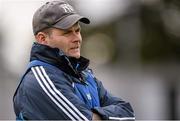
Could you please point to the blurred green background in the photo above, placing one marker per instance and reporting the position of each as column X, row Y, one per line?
column 133, row 45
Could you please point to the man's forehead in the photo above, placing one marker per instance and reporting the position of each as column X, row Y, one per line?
column 75, row 26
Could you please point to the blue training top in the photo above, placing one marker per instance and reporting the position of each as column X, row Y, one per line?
column 87, row 93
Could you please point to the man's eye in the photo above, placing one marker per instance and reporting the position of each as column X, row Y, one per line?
column 78, row 30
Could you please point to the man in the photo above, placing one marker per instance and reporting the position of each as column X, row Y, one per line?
column 58, row 84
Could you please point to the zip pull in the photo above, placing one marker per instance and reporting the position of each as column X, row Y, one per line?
column 77, row 66
column 75, row 71
column 83, row 81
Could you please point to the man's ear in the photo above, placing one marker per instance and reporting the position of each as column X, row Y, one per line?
column 41, row 38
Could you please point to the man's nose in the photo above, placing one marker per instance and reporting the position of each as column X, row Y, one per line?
column 76, row 36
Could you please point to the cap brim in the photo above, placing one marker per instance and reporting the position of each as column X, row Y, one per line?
column 70, row 20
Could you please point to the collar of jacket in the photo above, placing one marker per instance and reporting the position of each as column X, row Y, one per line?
column 57, row 58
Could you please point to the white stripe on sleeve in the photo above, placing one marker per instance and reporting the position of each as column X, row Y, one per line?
column 122, row 119
column 55, row 95
column 51, row 97
column 62, row 96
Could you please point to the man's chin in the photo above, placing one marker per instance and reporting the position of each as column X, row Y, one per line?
column 75, row 55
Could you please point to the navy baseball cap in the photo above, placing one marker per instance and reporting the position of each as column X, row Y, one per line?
column 58, row 14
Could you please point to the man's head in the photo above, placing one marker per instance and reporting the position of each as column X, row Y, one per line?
column 56, row 24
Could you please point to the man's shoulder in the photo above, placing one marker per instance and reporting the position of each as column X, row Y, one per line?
column 40, row 76
column 37, row 73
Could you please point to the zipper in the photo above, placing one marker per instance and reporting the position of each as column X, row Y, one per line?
column 75, row 71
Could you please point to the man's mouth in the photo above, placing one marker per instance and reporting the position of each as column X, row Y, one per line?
column 77, row 47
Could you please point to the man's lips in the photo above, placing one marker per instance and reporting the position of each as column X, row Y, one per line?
column 77, row 47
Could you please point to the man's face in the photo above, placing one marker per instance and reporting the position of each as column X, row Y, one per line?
column 69, row 41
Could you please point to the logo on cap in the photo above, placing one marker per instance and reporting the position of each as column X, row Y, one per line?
column 67, row 8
